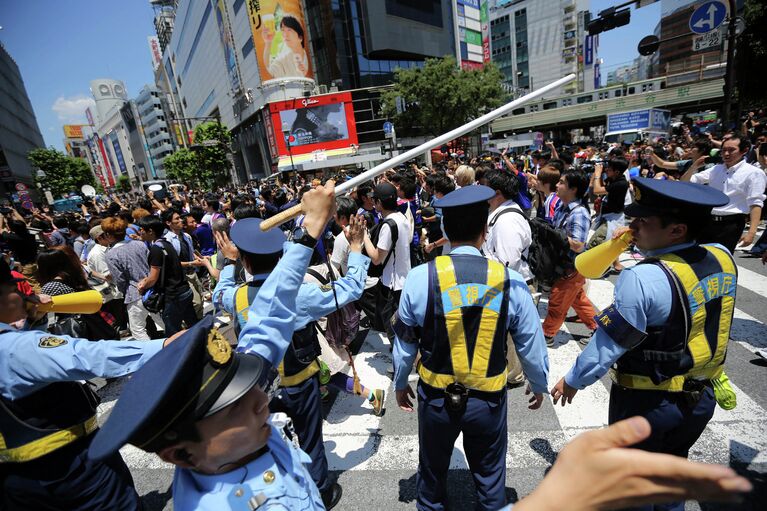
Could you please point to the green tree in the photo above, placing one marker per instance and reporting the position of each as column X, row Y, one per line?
column 440, row 96
column 751, row 55
column 182, row 166
column 63, row 173
column 123, row 183
column 212, row 141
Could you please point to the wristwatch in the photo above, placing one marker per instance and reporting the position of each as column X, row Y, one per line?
column 302, row 237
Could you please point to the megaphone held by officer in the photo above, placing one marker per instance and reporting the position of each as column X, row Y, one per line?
column 82, row 302
column 593, row 263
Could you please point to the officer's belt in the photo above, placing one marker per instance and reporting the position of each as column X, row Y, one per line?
column 47, row 444
column 300, row 377
column 471, row 381
column 673, row 384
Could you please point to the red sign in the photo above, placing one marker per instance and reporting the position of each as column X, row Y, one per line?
column 106, row 162
column 315, row 123
column 468, row 65
column 21, row 187
column 270, row 135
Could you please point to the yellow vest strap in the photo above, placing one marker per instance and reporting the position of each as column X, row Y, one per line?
column 484, row 384
column 47, row 444
column 674, row 384
column 300, row 377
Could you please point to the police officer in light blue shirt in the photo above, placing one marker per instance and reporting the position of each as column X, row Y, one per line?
column 664, row 339
column 299, row 370
column 457, row 311
column 48, row 416
column 205, row 408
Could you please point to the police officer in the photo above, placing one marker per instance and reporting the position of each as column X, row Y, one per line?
column 205, row 408
column 299, row 371
column 667, row 331
column 48, row 416
column 457, row 311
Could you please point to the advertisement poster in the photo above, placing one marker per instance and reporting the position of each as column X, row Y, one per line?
column 280, row 39
column 73, row 130
column 225, row 34
column 314, row 123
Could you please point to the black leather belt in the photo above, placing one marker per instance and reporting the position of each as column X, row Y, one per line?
column 728, row 218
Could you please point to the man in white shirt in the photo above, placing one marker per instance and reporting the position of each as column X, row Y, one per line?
column 744, row 184
column 398, row 264
column 507, row 241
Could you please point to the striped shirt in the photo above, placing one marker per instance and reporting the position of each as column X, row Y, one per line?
column 550, row 207
column 575, row 219
column 128, row 263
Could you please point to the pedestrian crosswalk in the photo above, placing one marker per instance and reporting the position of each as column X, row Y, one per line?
column 380, row 454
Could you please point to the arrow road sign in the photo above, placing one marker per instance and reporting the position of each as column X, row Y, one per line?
column 707, row 17
column 388, row 127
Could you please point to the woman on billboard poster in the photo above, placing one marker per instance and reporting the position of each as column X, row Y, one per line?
column 291, row 59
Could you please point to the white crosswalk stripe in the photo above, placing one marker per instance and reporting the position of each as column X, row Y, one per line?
column 358, row 442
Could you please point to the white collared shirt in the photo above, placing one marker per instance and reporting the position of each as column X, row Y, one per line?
column 509, row 239
column 743, row 184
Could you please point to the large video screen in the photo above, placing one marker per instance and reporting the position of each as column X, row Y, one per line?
column 314, row 123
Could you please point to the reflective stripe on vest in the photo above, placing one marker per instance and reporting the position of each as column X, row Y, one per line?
column 472, row 374
column 242, row 299
column 706, row 346
column 47, row 444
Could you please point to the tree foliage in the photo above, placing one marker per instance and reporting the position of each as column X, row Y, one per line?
column 440, row 96
column 751, row 57
column 206, row 163
column 63, row 173
column 123, row 183
column 181, row 166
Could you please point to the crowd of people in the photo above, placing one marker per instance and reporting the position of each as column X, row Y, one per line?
column 425, row 254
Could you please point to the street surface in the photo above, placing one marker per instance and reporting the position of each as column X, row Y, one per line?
column 376, row 458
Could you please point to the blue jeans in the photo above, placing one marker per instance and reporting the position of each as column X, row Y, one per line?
column 178, row 310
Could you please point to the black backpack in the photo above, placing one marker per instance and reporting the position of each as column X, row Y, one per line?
column 549, row 254
column 376, row 270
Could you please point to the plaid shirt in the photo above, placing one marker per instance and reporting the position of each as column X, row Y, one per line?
column 575, row 219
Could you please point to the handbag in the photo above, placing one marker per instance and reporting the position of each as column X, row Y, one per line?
column 154, row 299
column 85, row 326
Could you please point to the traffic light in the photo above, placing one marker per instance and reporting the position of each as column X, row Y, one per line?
column 609, row 19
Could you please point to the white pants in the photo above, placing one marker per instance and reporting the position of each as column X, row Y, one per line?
column 137, row 315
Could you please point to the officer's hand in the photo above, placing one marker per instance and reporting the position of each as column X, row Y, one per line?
column 403, row 398
column 595, row 471
column 319, row 205
column 564, row 391
column 536, row 400
column 226, row 246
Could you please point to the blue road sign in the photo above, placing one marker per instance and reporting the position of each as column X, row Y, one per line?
column 707, row 17
column 388, row 127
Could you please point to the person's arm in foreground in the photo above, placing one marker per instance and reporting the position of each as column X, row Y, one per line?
column 596, row 471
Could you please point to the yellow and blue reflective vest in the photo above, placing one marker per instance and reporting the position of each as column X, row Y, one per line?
column 45, row 421
column 463, row 338
column 693, row 344
column 300, row 362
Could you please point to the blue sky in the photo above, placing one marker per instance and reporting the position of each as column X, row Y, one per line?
column 61, row 45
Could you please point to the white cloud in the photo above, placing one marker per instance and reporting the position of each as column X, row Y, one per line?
column 71, row 110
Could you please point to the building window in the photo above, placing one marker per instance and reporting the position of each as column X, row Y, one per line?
column 196, row 40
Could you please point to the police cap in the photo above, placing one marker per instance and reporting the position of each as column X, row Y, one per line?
column 195, row 376
column 248, row 236
column 656, row 197
column 465, row 196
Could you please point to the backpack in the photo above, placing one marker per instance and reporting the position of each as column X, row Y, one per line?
column 343, row 324
column 549, row 254
column 376, row 270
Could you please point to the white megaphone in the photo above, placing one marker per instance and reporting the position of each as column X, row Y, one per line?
column 88, row 190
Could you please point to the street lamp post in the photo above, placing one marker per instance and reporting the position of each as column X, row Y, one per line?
column 286, row 134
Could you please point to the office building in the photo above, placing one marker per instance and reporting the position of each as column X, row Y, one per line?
column 153, row 123
column 117, row 141
column 680, row 56
column 637, row 70
column 535, row 43
column 19, row 132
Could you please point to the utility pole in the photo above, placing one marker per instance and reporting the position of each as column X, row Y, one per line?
column 729, row 77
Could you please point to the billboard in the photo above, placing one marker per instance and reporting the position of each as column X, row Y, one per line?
column 280, row 39
column 314, row 123
column 484, row 18
column 225, row 34
column 73, row 131
column 154, row 49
